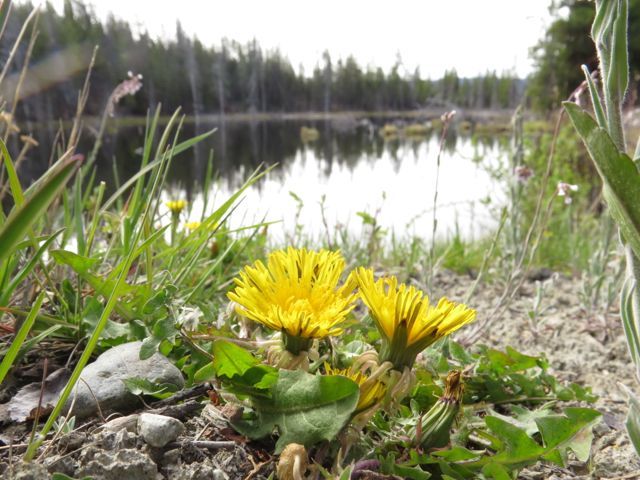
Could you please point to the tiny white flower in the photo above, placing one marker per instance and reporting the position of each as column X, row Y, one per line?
column 564, row 190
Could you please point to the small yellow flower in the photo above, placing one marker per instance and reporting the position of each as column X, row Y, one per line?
column 176, row 206
column 192, row 225
column 371, row 392
column 406, row 320
column 296, row 293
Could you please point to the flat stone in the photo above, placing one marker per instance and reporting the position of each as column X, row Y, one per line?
column 101, row 382
column 158, row 430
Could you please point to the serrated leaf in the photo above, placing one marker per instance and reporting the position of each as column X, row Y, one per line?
column 518, row 449
column 77, row 262
column 459, row 353
column 557, row 457
column 104, row 286
column 524, row 418
column 456, row 454
column 388, row 465
column 205, row 373
column 304, row 408
column 240, row 371
column 571, row 430
column 230, row 360
column 90, row 316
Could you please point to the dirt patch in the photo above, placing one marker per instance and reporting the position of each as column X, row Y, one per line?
column 588, row 349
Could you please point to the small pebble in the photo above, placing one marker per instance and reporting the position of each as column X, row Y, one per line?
column 158, row 430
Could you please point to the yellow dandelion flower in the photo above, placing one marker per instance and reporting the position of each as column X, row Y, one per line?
column 192, row 225
column 371, row 392
column 176, row 206
column 406, row 320
column 296, row 293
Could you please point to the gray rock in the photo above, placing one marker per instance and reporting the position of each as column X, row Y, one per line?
column 130, row 463
column 158, row 430
column 119, row 440
column 102, row 380
column 205, row 470
column 29, row 471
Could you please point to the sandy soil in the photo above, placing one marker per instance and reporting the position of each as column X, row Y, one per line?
column 582, row 348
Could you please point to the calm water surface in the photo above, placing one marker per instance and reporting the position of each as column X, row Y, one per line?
column 350, row 166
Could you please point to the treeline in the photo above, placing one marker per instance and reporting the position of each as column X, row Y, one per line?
column 230, row 77
column 567, row 45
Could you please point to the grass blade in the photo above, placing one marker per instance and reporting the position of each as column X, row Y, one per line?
column 34, row 208
column 7, row 361
column 15, row 281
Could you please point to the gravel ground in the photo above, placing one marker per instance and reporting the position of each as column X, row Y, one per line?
column 586, row 349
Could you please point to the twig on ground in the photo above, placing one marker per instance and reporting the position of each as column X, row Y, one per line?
column 180, row 412
column 256, row 467
column 210, row 444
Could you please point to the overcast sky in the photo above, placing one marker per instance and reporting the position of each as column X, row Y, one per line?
column 470, row 35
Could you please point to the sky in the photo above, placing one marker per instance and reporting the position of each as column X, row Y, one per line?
column 472, row 36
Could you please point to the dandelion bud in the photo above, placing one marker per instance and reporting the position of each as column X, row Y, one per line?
column 434, row 428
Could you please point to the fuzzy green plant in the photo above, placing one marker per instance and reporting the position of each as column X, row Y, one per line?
column 604, row 138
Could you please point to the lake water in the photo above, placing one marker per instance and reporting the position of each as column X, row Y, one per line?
column 350, row 165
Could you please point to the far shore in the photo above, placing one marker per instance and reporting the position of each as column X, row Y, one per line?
column 431, row 113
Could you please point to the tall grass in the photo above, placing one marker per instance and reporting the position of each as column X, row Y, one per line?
column 100, row 267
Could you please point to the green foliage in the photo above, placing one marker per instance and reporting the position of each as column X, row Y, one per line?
column 142, row 386
column 27, row 211
column 620, row 175
column 244, row 373
column 527, row 431
column 605, row 142
column 305, row 408
column 18, row 341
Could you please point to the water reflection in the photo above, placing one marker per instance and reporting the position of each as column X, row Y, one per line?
column 350, row 164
